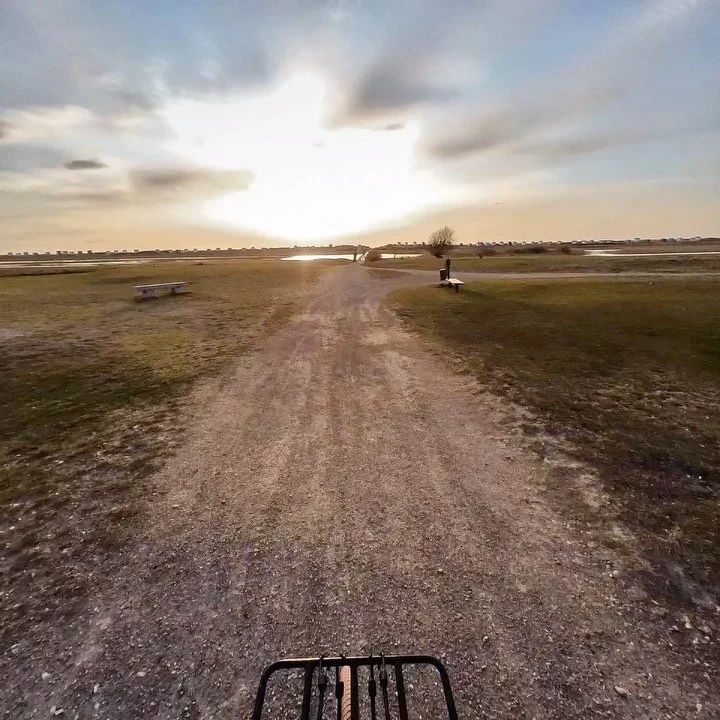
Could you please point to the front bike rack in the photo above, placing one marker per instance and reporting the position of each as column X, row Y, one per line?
column 318, row 667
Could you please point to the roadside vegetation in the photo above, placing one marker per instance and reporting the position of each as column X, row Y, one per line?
column 627, row 371
column 91, row 381
column 557, row 262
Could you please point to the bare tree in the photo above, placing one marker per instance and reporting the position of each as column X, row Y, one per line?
column 441, row 242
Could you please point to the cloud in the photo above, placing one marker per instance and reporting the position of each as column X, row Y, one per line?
column 388, row 90
column 140, row 187
column 57, row 185
column 429, row 54
column 609, row 79
column 19, row 157
column 177, row 183
column 27, row 124
column 85, row 165
column 99, row 196
column 568, row 143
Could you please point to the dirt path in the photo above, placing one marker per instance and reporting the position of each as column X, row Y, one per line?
column 344, row 492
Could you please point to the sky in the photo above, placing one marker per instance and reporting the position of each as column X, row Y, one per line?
column 185, row 123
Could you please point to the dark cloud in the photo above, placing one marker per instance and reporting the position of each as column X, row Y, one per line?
column 180, row 182
column 101, row 196
column 386, row 91
column 426, row 53
column 164, row 178
column 85, row 165
column 391, row 127
column 136, row 100
column 475, row 135
column 146, row 187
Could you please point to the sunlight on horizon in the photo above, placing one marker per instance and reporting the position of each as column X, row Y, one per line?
column 310, row 183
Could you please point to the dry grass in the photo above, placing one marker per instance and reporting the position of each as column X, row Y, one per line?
column 629, row 371
column 91, row 384
column 560, row 263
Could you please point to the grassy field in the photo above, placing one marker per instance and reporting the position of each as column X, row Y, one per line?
column 90, row 384
column 558, row 262
column 23, row 271
column 628, row 371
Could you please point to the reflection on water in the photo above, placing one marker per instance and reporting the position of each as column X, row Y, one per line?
column 318, row 257
column 384, row 256
column 89, row 263
column 69, row 263
column 620, row 253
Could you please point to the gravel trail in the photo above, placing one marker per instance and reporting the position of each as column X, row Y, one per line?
column 342, row 491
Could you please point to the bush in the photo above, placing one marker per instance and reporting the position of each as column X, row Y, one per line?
column 373, row 255
column 529, row 250
column 566, row 250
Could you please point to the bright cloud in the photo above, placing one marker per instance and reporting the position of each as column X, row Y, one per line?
column 309, row 182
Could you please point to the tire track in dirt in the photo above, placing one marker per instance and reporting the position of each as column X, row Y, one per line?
column 343, row 491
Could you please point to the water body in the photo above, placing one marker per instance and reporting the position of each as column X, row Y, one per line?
column 121, row 261
column 47, row 264
column 384, row 256
column 67, row 263
column 619, row 253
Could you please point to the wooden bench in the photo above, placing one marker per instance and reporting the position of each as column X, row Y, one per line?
column 151, row 291
column 453, row 283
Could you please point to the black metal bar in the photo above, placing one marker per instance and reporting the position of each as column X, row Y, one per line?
column 309, row 664
column 447, row 689
column 384, row 686
column 262, row 687
column 356, row 660
column 307, row 693
column 355, row 694
column 372, row 691
column 322, row 686
column 400, row 690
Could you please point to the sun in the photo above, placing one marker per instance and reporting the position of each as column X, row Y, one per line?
column 310, row 183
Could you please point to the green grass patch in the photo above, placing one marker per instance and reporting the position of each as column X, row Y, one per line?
column 79, row 344
column 629, row 371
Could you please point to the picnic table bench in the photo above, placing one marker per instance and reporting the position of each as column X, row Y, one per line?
column 453, row 283
column 151, row 291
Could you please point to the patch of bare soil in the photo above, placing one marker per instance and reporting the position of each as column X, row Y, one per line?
column 9, row 333
column 345, row 491
column 62, row 525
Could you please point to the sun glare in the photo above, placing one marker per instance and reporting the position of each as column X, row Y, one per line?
column 310, row 183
